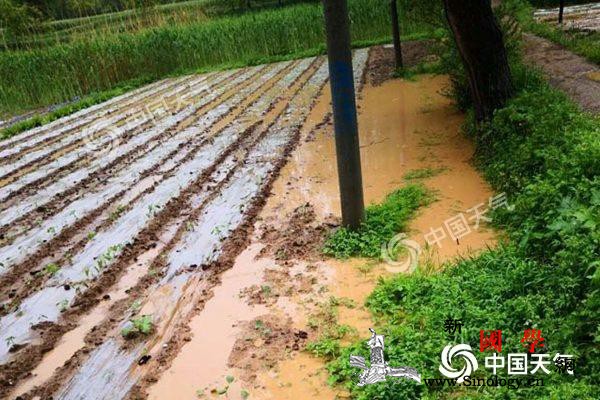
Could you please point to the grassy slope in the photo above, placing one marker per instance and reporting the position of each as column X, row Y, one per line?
column 545, row 154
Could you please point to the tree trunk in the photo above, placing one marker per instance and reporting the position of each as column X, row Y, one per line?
column 479, row 41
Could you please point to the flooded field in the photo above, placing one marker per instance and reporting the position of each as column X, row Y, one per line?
column 127, row 212
column 159, row 246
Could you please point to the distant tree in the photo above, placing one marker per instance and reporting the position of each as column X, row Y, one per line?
column 481, row 46
column 16, row 20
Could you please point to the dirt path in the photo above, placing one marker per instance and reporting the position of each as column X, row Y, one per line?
column 574, row 75
column 274, row 298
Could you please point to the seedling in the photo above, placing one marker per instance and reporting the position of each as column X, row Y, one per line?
column 117, row 213
column 63, row 305
column 51, row 269
column 142, row 325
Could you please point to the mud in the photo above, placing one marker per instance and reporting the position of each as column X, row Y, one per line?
column 211, row 185
column 416, row 127
column 382, row 61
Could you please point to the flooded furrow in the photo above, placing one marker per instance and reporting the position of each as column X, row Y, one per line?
column 183, row 283
column 103, row 249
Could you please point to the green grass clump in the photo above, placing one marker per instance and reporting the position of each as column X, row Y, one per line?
column 423, row 173
column 544, row 153
column 382, row 222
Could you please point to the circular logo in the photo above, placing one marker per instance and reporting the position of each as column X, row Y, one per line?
column 107, row 142
column 463, row 351
column 391, row 251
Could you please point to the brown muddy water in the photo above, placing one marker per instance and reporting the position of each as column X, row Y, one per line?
column 404, row 126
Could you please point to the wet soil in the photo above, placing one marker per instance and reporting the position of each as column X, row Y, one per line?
column 230, row 268
column 280, row 284
column 381, row 60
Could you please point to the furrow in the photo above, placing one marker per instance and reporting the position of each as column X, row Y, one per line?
column 23, row 245
column 110, row 147
column 201, row 245
column 100, row 252
column 45, row 134
column 112, row 127
column 83, row 116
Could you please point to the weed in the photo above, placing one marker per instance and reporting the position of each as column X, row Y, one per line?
column 382, row 222
column 423, row 173
column 262, row 328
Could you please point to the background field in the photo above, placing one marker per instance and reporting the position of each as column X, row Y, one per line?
column 97, row 59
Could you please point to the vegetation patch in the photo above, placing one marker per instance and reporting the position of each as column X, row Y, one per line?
column 54, row 74
column 382, row 222
column 423, row 173
column 544, row 153
column 141, row 325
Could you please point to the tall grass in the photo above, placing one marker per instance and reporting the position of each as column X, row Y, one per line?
column 40, row 77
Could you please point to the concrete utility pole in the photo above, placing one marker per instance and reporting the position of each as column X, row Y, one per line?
column 396, row 33
column 337, row 26
column 560, row 11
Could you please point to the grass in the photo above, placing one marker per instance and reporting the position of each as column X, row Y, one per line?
column 586, row 44
column 544, row 153
column 382, row 222
column 423, row 173
column 50, row 75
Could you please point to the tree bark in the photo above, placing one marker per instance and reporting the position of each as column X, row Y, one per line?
column 481, row 46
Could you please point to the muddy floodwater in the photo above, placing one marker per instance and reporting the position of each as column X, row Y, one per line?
column 178, row 254
column 404, row 126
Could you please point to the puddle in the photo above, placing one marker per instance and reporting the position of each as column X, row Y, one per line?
column 201, row 364
column 404, row 126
